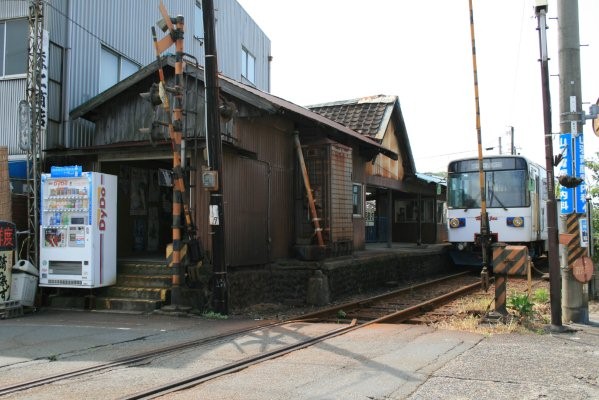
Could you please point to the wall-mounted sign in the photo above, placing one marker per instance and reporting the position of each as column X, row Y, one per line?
column 7, row 247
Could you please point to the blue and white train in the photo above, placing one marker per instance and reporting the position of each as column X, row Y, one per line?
column 516, row 201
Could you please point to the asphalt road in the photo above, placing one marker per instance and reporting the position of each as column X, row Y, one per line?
column 377, row 362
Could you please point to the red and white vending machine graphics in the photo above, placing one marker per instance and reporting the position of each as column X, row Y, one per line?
column 78, row 228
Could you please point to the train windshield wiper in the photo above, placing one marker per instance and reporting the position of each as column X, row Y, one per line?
column 494, row 196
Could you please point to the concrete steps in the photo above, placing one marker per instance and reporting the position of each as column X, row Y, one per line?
column 127, row 304
column 141, row 287
column 153, row 281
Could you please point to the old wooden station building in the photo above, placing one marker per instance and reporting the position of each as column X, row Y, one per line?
column 363, row 181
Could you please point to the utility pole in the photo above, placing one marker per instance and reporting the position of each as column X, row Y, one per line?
column 214, row 144
column 575, row 301
column 512, row 148
column 552, row 234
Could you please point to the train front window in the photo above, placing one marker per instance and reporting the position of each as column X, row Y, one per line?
column 505, row 189
column 464, row 190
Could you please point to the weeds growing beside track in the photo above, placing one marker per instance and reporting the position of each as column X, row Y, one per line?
column 527, row 313
column 464, row 314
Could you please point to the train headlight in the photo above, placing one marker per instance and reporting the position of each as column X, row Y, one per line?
column 457, row 222
column 516, row 222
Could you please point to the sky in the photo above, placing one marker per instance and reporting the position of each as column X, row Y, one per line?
column 330, row 50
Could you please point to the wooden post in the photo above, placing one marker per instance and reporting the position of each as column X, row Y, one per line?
column 315, row 219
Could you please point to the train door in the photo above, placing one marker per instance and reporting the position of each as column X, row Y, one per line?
column 534, row 190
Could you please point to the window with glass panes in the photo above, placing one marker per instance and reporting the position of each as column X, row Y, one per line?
column 114, row 68
column 357, row 203
column 248, row 65
column 14, row 36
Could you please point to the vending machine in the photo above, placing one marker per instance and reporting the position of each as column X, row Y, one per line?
column 78, row 228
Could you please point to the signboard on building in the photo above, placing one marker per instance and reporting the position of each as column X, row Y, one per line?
column 7, row 247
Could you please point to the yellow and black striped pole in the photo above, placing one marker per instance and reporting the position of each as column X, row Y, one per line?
column 178, row 183
column 574, row 246
column 175, row 126
column 484, row 218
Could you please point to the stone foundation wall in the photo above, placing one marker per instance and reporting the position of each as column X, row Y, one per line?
column 288, row 284
column 268, row 285
column 376, row 272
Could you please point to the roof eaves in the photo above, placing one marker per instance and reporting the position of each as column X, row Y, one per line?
column 262, row 100
column 306, row 113
column 404, row 140
column 83, row 109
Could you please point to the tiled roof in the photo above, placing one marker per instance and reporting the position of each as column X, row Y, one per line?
column 371, row 116
column 367, row 115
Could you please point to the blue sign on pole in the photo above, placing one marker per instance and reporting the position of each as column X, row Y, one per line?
column 572, row 200
column 566, row 168
column 581, row 190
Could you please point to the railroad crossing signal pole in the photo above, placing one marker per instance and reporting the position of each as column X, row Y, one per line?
column 485, row 231
column 158, row 95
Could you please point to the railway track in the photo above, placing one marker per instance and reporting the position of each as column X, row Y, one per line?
column 130, row 360
column 394, row 307
column 402, row 304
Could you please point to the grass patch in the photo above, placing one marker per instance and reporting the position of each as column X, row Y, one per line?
column 526, row 314
column 520, row 303
column 214, row 315
column 541, row 295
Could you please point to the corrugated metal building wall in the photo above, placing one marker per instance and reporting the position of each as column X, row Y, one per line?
column 234, row 26
column 15, row 89
column 11, row 89
column 258, row 193
column 123, row 27
column 14, row 9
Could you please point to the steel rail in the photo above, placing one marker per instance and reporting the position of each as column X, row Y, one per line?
column 383, row 296
column 19, row 387
column 398, row 316
column 402, row 315
column 421, row 308
column 195, row 380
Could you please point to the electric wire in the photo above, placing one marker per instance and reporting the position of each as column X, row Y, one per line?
column 47, row 2
column 517, row 66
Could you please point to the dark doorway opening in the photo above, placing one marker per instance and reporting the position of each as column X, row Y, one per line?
column 144, row 207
